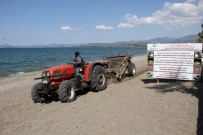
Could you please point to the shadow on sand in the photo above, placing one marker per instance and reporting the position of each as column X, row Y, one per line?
column 200, row 111
column 54, row 98
column 167, row 85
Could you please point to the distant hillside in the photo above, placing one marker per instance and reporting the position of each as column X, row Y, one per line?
column 143, row 43
column 132, row 43
column 185, row 39
column 7, row 46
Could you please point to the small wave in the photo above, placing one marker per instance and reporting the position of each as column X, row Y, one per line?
column 13, row 74
column 19, row 73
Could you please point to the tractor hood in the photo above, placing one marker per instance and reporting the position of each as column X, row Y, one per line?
column 62, row 67
column 60, row 70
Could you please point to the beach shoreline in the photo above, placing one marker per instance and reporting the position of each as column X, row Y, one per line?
column 136, row 106
column 24, row 73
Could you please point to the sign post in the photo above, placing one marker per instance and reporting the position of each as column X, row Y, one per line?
column 175, row 61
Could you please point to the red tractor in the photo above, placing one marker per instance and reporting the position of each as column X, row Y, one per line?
column 63, row 82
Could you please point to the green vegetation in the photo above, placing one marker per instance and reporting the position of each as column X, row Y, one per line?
column 200, row 35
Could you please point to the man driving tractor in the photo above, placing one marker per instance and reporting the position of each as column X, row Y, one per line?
column 78, row 63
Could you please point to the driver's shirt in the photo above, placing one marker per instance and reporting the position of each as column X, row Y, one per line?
column 78, row 59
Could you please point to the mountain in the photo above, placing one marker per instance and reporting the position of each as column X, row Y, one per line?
column 132, row 43
column 7, row 46
column 142, row 43
column 185, row 39
column 50, row 46
column 36, row 46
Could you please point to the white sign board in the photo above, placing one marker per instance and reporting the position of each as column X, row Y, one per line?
column 175, row 61
column 174, row 75
column 173, row 68
column 175, row 54
column 175, row 47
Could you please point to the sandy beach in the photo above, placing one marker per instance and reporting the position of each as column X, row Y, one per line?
column 136, row 106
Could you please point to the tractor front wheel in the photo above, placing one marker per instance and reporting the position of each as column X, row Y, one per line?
column 99, row 79
column 67, row 91
column 36, row 97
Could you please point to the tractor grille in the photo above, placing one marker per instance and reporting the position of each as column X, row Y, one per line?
column 57, row 74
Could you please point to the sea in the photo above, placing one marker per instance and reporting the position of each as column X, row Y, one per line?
column 22, row 60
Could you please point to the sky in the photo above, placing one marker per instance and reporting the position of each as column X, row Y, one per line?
column 39, row 22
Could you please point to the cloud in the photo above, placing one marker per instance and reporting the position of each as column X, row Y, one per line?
column 171, row 15
column 103, row 27
column 66, row 28
column 69, row 28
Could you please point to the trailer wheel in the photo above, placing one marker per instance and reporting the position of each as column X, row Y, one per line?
column 99, row 79
column 36, row 97
column 67, row 91
column 131, row 69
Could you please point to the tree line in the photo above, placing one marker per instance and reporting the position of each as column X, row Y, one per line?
column 200, row 36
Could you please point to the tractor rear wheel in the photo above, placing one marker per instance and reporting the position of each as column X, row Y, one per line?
column 131, row 69
column 36, row 97
column 67, row 91
column 99, row 79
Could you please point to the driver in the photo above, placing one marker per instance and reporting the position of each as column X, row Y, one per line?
column 78, row 63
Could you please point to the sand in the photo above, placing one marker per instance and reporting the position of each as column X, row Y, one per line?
column 136, row 106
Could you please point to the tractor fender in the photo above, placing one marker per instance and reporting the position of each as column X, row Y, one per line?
column 89, row 69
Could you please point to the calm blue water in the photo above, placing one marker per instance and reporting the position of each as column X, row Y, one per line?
column 20, row 60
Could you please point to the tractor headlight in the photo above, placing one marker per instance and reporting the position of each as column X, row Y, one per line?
column 48, row 74
column 43, row 74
